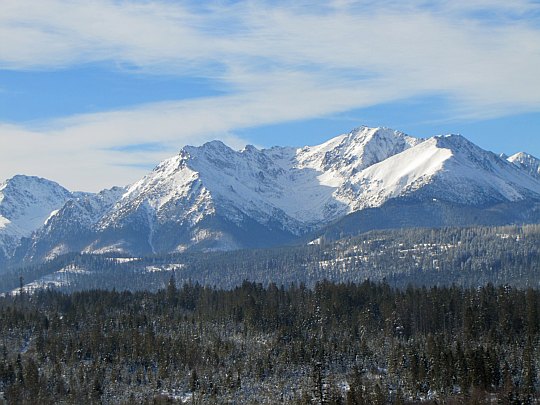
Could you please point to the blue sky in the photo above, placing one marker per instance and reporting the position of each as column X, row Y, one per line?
column 94, row 94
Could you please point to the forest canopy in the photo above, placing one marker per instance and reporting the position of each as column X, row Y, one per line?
column 345, row 343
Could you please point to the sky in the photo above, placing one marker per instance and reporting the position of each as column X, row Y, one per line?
column 96, row 93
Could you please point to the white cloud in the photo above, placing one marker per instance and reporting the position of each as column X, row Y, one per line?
column 86, row 149
column 277, row 62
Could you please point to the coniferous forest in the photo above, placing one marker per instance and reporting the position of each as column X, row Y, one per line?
column 467, row 257
column 346, row 343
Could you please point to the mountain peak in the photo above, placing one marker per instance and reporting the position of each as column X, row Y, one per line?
column 357, row 150
column 214, row 144
column 207, row 147
column 520, row 156
column 250, row 149
column 458, row 144
column 451, row 139
column 21, row 187
column 25, row 204
column 364, row 133
column 526, row 162
column 22, row 180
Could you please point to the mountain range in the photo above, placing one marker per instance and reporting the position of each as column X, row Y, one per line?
column 215, row 198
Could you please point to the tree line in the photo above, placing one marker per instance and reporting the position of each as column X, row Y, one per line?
column 467, row 257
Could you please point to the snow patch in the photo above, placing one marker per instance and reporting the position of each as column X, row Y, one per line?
column 123, row 259
column 60, row 278
column 4, row 222
column 165, row 267
column 114, row 248
column 57, row 251
column 52, row 214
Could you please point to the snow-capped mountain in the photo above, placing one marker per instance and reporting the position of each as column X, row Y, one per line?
column 213, row 197
column 70, row 228
column 25, row 204
column 527, row 162
column 449, row 168
column 216, row 197
column 299, row 187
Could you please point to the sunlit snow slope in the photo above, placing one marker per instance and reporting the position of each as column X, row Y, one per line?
column 25, row 204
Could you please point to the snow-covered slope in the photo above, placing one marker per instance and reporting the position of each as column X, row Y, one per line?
column 60, row 278
column 25, row 204
column 347, row 154
column 484, row 176
column 449, row 168
column 213, row 197
column 287, row 191
column 70, row 228
column 298, row 186
column 339, row 161
column 526, row 162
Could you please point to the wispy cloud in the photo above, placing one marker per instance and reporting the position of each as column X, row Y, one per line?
column 275, row 61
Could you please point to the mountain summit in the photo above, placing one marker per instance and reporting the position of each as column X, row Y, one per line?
column 25, row 204
column 527, row 162
column 213, row 197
